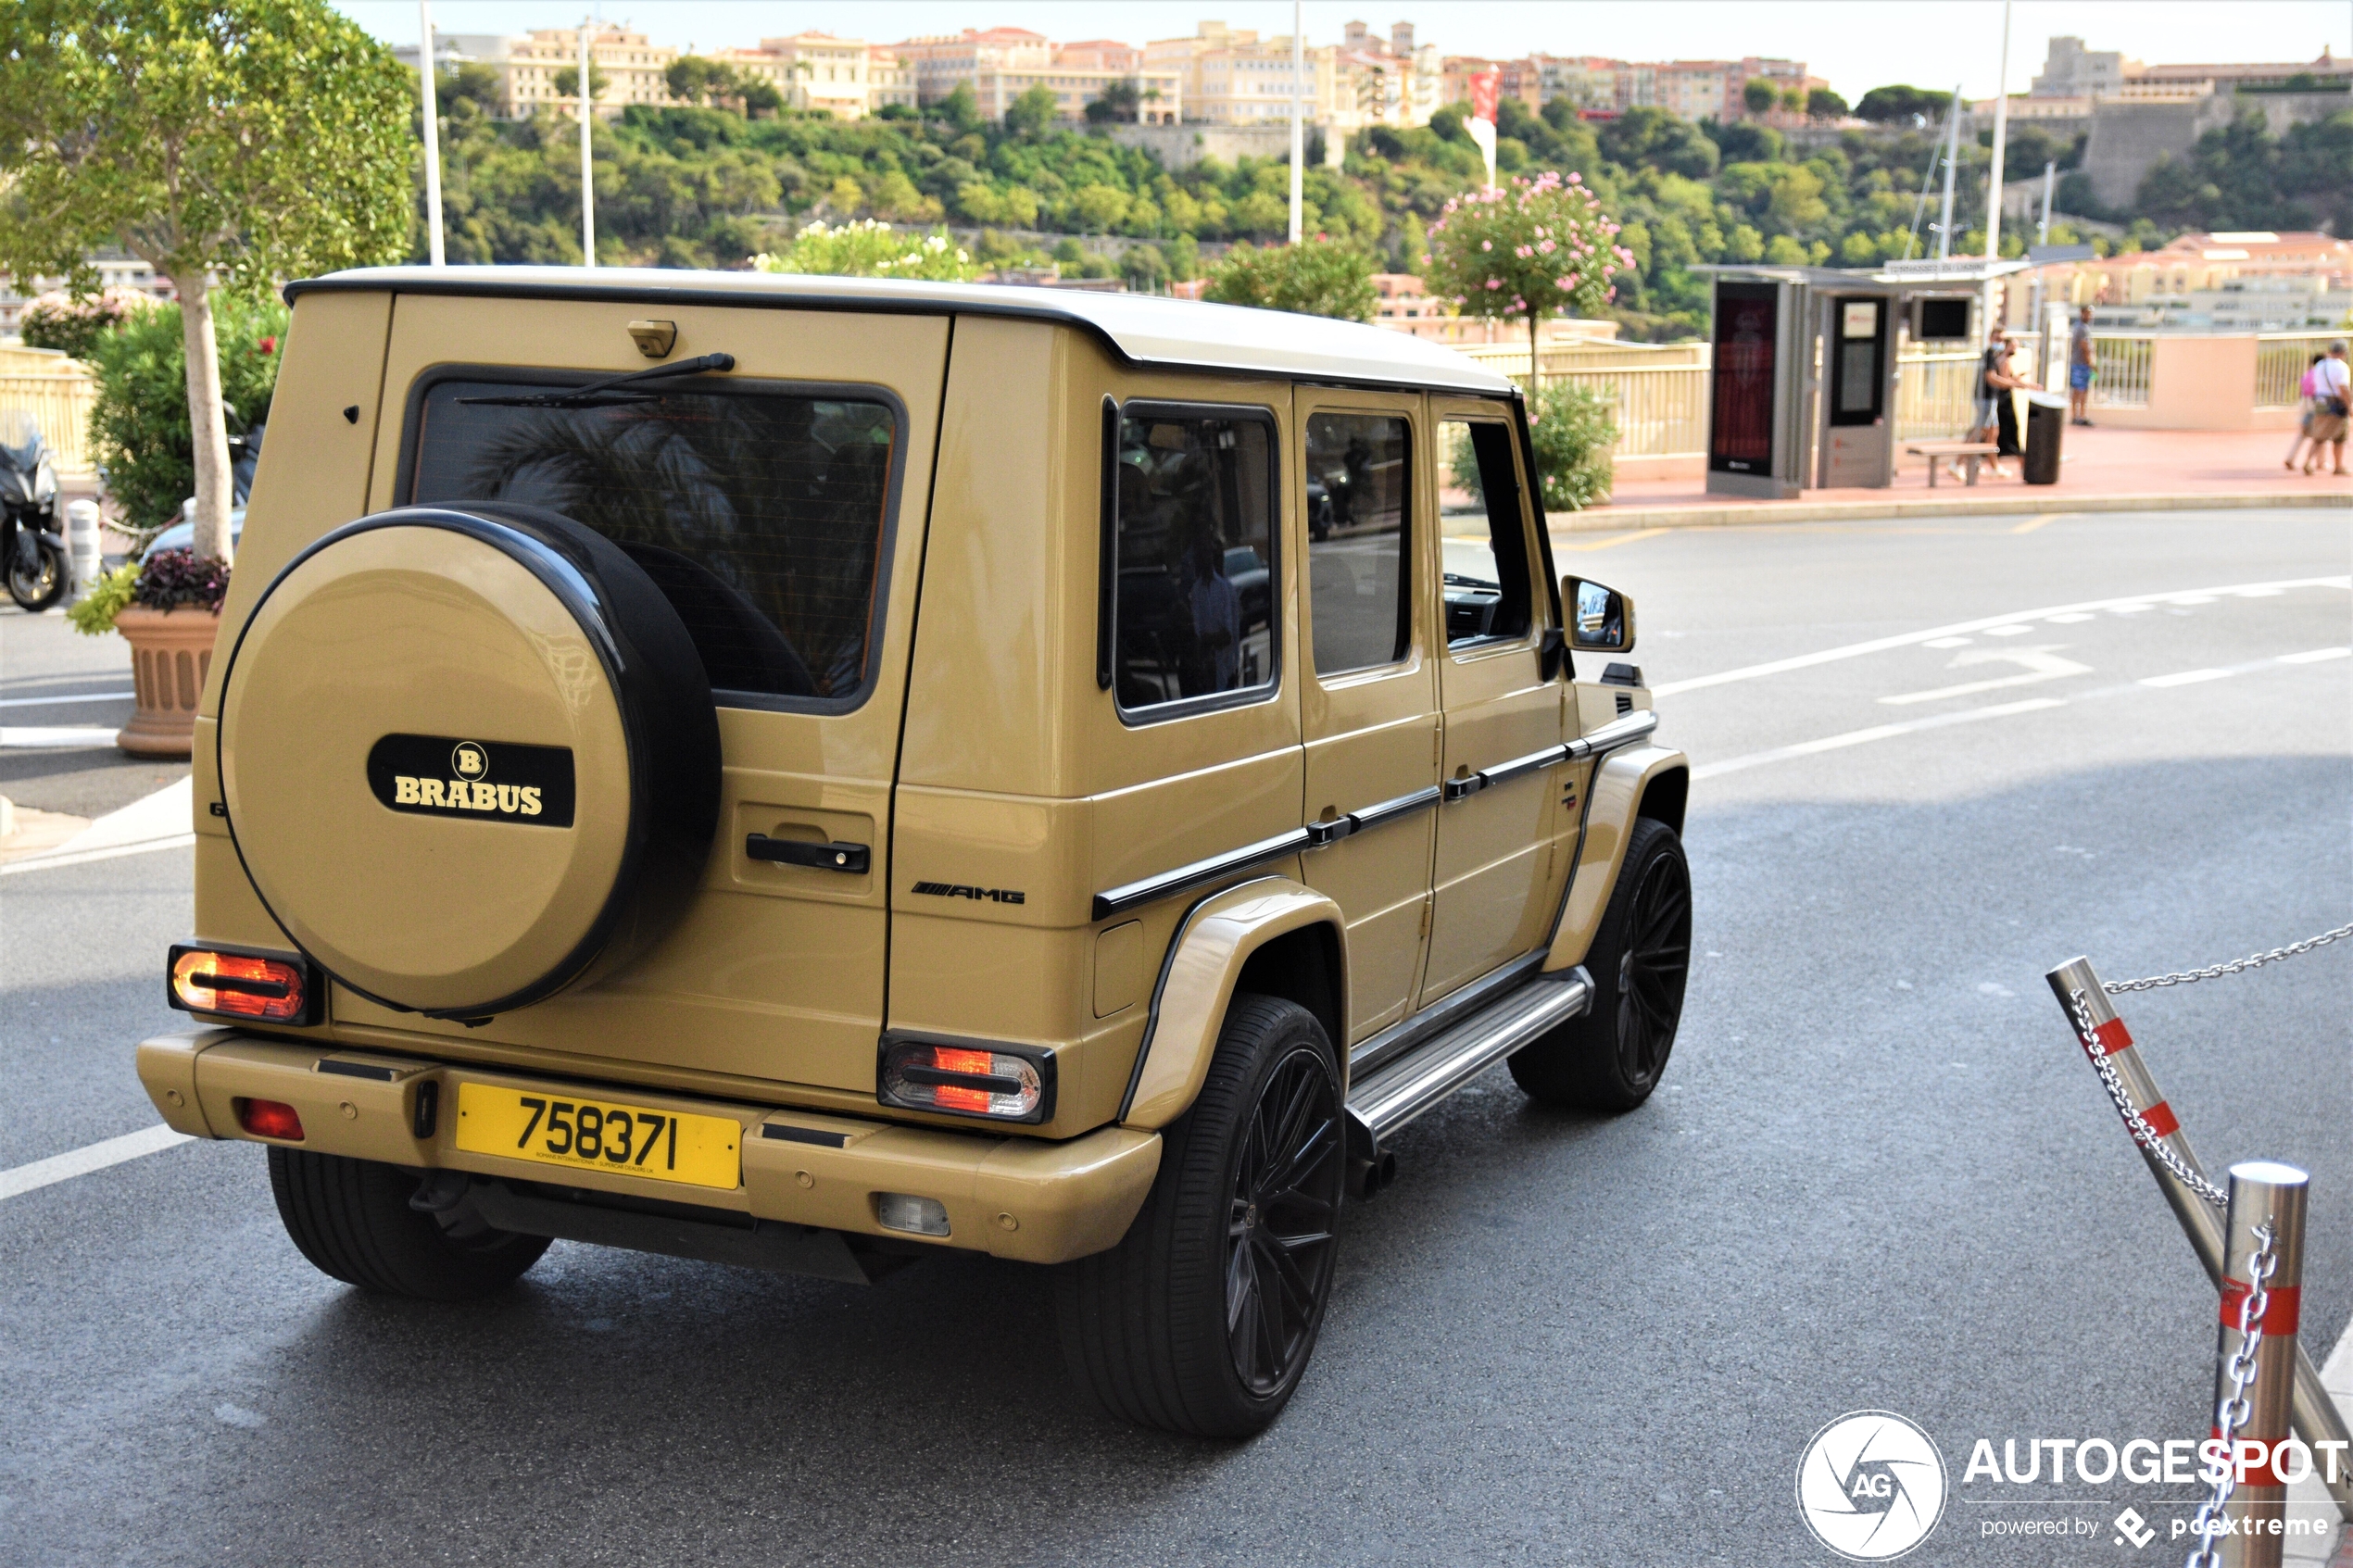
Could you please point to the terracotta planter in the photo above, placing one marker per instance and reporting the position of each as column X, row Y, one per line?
column 171, row 654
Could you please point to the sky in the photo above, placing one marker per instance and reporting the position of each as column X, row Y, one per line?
column 1856, row 43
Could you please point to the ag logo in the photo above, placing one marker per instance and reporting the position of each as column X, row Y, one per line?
column 470, row 759
column 1870, row 1486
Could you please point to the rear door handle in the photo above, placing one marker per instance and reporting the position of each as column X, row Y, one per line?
column 854, row 859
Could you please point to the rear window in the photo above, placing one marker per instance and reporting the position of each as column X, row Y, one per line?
column 760, row 513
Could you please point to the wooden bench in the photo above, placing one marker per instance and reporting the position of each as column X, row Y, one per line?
column 1971, row 453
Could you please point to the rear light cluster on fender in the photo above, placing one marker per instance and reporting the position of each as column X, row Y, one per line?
column 968, row 1078
column 268, row 987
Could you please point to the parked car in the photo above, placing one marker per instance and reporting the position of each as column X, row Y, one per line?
column 599, row 847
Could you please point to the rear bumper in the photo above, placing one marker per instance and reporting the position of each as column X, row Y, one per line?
column 1022, row 1198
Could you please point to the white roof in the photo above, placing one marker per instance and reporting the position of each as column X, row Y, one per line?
column 1142, row 329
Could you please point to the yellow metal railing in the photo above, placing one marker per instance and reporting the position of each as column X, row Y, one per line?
column 1935, row 395
column 59, row 401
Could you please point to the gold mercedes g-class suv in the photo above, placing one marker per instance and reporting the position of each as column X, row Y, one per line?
column 806, row 772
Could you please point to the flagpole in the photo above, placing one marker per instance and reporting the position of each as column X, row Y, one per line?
column 1297, row 130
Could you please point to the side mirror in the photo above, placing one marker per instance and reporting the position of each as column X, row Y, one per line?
column 1601, row 620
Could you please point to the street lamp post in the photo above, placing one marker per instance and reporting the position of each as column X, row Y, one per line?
column 1298, row 129
column 433, row 135
column 587, row 165
column 1993, row 176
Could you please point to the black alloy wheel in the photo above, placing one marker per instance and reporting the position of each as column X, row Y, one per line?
column 1613, row 1056
column 1204, row 1317
column 1652, row 968
column 1280, row 1232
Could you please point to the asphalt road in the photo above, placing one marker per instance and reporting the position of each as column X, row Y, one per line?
column 52, row 677
column 1879, row 1175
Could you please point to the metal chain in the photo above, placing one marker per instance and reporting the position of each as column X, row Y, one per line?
column 2236, row 966
column 2233, row 1410
column 2148, row 1138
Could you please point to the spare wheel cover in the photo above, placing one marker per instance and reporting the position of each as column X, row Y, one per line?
column 470, row 756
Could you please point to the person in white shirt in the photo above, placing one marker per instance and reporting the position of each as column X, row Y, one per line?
column 2331, row 387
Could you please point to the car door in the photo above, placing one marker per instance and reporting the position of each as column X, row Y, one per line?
column 781, row 510
column 1503, row 713
column 1369, row 693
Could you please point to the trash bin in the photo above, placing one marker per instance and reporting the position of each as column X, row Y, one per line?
column 2046, row 423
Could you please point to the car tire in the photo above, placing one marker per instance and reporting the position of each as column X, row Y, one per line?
column 351, row 1218
column 1168, row 1329
column 1611, row 1057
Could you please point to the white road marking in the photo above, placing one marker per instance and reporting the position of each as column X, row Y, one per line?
column 1877, row 732
column 88, row 1157
column 2129, row 610
column 2007, row 630
column 160, row 820
column 81, row 737
column 2042, row 664
column 53, row 701
column 1951, row 642
column 2186, row 677
column 1913, row 639
column 2315, row 656
column 2075, row 618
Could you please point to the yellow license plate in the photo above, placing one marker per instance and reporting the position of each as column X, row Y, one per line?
column 580, row 1134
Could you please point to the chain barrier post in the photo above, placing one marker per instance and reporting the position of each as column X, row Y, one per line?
column 2254, row 1368
column 2188, row 1192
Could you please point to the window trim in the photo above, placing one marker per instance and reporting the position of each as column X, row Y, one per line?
column 894, row 490
column 1490, row 643
column 1107, row 566
column 1406, row 548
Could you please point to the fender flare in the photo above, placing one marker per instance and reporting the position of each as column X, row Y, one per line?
column 1197, row 978
column 1612, row 801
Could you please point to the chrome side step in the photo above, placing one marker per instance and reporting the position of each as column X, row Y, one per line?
column 1391, row 1098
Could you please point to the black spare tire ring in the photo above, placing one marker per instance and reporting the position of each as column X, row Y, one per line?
column 667, row 728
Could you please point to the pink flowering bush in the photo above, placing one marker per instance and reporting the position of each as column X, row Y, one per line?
column 1535, row 248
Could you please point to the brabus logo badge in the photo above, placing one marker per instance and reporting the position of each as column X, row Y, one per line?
column 442, row 776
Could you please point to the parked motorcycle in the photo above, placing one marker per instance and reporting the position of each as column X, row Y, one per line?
column 31, row 540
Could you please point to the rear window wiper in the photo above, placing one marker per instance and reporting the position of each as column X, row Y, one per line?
column 612, row 389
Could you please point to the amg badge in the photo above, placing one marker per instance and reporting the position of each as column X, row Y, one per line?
column 440, row 777
column 962, row 890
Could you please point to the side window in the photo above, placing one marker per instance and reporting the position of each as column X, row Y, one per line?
column 1359, row 539
column 1192, row 533
column 1485, row 533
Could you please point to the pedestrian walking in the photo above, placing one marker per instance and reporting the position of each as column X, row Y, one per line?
column 1996, row 414
column 2079, row 368
column 2331, row 387
column 2308, row 403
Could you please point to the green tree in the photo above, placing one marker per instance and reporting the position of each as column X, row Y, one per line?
column 139, row 422
column 872, row 249
column 1759, row 95
column 1896, row 105
column 567, row 83
column 1315, row 277
column 252, row 138
column 1031, row 113
column 1823, row 104
column 1536, row 248
column 1644, row 137
column 960, row 109
column 1118, row 102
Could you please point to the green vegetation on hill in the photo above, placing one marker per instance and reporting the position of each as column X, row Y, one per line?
column 711, row 186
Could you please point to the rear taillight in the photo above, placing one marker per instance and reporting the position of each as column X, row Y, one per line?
column 269, row 1118
column 1001, row 1084
column 256, row 985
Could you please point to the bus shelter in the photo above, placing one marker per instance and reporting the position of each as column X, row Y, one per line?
column 1804, row 374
